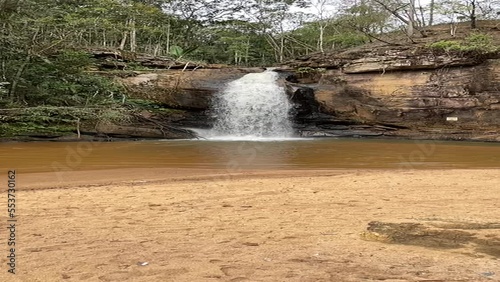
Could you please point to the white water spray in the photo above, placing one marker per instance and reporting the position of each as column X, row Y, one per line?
column 252, row 107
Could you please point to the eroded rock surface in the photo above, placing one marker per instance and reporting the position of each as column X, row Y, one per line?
column 407, row 91
column 390, row 58
column 411, row 91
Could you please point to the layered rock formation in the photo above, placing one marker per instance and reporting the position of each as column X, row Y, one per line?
column 403, row 91
column 409, row 91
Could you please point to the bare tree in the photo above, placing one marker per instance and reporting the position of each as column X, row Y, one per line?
column 324, row 13
column 396, row 8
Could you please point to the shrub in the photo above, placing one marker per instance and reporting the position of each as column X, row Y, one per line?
column 477, row 42
column 446, row 45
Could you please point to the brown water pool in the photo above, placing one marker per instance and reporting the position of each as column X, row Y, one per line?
column 235, row 155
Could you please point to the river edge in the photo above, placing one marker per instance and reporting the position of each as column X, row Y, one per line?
column 203, row 225
column 409, row 136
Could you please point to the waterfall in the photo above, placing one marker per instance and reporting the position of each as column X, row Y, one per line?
column 252, row 107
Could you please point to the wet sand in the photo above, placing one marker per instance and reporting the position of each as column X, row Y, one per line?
column 201, row 225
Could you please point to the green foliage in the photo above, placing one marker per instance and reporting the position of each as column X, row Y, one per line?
column 116, row 115
column 364, row 17
column 476, row 42
column 446, row 45
column 52, row 119
column 25, row 128
column 148, row 105
column 479, row 40
column 309, row 70
column 345, row 40
column 60, row 115
column 251, row 33
column 178, row 52
column 62, row 80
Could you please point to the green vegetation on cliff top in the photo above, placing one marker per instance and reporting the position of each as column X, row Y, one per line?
column 476, row 42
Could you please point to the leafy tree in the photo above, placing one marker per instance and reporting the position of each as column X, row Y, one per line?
column 367, row 18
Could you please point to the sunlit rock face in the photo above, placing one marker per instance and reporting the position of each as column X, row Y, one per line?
column 409, row 91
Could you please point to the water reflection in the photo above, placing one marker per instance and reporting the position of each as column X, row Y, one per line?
column 235, row 156
column 239, row 155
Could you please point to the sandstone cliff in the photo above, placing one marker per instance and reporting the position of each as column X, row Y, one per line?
column 405, row 90
column 409, row 90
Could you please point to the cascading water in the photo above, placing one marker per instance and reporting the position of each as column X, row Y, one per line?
column 252, row 107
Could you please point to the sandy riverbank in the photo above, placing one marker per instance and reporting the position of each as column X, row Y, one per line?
column 196, row 225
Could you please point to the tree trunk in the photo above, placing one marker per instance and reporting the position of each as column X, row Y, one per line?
column 247, row 51
column 282, row 48
column 274, row 45
column 321, row 36
column 411, row 18
column 156, row 49
column 124, row 40
column 168, row 39
column 431, row 16
column 133, row 32
column 473, row 15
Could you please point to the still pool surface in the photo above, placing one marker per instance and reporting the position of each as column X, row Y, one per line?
column 235, row 155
